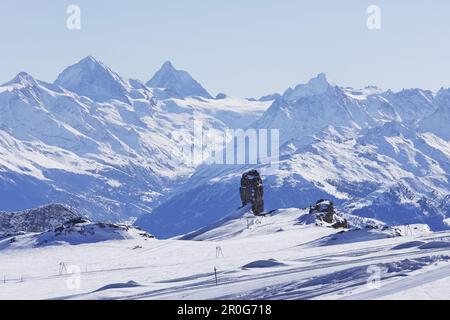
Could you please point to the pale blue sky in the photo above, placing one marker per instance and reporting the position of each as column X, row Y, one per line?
column 246, row 48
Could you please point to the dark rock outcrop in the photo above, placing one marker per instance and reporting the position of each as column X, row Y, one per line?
column 35, row 220
column 252, row 191
column 325, row 214
column 85, row 227
column 221, row 96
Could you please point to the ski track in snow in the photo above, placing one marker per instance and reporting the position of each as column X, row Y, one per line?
column 302, row 266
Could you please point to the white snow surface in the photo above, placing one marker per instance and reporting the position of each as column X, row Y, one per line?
column 270, row 257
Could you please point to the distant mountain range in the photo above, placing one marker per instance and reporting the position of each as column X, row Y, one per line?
column 99, row 143
column 105, row 146
column 376, row 154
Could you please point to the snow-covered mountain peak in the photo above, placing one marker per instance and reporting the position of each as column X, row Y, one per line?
column 91, row 78
column 312, row 107
column 168, row 66
column 316, row 86
column 20, row 81
column 165, row 71
column 442, row 97
column 417, row 95
column 90, row 63
column 22, row 78
column 320, row 80
column 177, row 83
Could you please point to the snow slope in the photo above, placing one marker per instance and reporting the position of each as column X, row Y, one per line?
column 275, row 258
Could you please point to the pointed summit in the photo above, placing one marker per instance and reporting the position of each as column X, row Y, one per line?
column 168, row 66
column 23, row 79
column 320, row 78
column 315, row 86
column 177, row 83
column 91, row 78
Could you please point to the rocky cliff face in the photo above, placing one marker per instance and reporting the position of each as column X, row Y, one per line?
column 325, row 215
column 252, row 192
column 35, row 220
